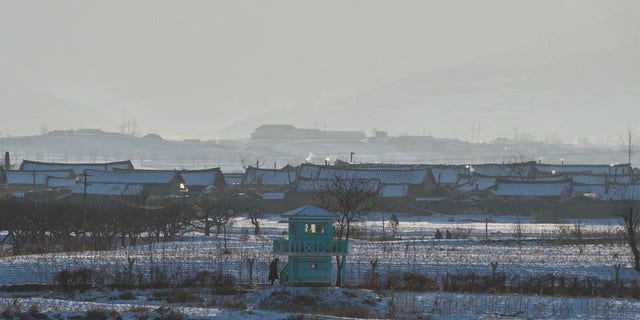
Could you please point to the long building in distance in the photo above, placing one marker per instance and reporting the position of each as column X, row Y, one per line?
column 287, row 131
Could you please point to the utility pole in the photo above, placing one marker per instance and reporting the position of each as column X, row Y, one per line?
column 351, row 158
column 85, row 183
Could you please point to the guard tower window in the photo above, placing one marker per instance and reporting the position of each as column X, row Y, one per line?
column 313, row 228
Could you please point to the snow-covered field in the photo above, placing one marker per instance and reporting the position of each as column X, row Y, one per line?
column 488, row 240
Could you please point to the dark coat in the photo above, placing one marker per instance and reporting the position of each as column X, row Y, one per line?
column 273, row 270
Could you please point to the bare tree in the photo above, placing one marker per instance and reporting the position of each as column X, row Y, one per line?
column 519, row 232
column 254, row 215
column 631, row 223
column 214, row 211
column 349, row 196
column 630, row 142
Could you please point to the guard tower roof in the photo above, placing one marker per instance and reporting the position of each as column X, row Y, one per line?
column 309, row 211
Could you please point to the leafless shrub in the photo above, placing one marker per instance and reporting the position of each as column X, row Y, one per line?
column 471, row 282
column 176, row 296
column 460, row 232
column 410, row 281
column 70, row 281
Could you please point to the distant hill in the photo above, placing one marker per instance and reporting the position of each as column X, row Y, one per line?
column 234, row 155
column 581, row 84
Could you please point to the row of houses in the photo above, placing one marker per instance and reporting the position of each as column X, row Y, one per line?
column 399, row 186
column 111, row 179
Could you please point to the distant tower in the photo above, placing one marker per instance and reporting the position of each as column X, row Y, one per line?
column 310, row 247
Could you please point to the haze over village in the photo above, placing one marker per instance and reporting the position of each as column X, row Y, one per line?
column 334, row 159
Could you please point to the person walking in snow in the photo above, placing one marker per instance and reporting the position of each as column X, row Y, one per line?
column 273, row 270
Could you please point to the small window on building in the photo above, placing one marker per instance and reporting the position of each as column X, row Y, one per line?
column 313, row 228
column 314, row 266
column 183, row 188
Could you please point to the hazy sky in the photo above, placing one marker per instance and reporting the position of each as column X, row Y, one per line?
column 212, row 69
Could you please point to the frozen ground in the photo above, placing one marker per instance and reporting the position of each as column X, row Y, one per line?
column 413, row 250
column 403, row 305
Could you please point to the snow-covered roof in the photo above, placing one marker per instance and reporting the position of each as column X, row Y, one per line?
column 446, row 174
column 192, row 178
column 600, row 178
column 109, row 189
column 393, row 190
column 201, row 178
column 309, row 171
column 623, row 192
column 504, row 170
column 545, row 178
column 379, row 166
column 532, row 189
column 619, row 169
column 482, row 182
column 590, row 190
column 54, row 182
column 135, row 177
column 78, row 168
column 37, row 177
column 270, row 177
column 322, row 185
column 310, row 211
column 416, row 176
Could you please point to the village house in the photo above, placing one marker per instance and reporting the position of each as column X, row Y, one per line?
column 78, row 168
column 273, row 179
column 196, row 182
column 20, row 183
column 155, row 183
column 409, row 180
column 543, row 189
column 287, row 131
column 613, row 170
column 102, row 191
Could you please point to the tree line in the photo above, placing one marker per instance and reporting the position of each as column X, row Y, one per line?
column 38, row 226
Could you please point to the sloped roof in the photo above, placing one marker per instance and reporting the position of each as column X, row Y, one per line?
column 505, row 170
column 54, row 182
column 28, row 177
column 133, row 177
column 379, row 166
column 620, row 169
column 591, row 190
column 483, row 183
column 623, row 192
column 322, row 185
column 310, row 211
column 272, row 177
column 393, row 190
column 309, row 171
column 550, row 178
column 447, row 174
column 600, row 178
column 199, row 178
column 109, row 189
column 415, row 176
column 77, row 168
column 532, row 189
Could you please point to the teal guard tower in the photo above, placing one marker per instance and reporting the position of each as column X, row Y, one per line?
column 310, row 247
